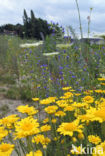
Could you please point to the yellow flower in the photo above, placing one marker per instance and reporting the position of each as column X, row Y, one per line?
column 51, row 109
column 26, row 127
column 62, row 103
column 79, row 105
column 94, row 114
column 66, row 88
column 45, row 128
column 74, row 139
column 81, row 136
column 41, row 139
column 35, row 99
column 55, row 138
column 99, row 115
column 26, row 109
column 68, row 108
column 9, row 120
column 87, row 92
column 86, row 117
column 60, row 113
column 37, row 139
column 54, row 120
column 6, row 149
column 103, row 84
column 46, row 120
column 99, row 91
column 94, row 139
column 3, row 133
column 69, row 127
column 36, row 153
column 88, row 99
column 101, row 79
column 77, row 94
column 100, row 150
column 69, row 94
column 48, row 100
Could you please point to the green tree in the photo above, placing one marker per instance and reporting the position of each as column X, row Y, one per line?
column 33, row 24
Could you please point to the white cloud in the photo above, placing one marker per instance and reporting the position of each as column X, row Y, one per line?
column 63, row 11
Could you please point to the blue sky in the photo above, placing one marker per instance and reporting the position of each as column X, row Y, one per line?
column 62, row 11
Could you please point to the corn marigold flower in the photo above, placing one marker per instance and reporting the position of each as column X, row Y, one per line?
column 46, row 120
column 87, row 92
column 68, row 108
column 100, row 148
column 26, row 127
column 51, row 109
column 67, row 128
column 45, row 128
column 74, row 139
column 41, row 139
column 102, row 84
column 60, row 113
column 85, row 118
column 99, row 91
column 3, row 133
column 88, row 99
column 36, row 153
column 79, row 105
column 6, row 149
column 77, row 94
column 35, row 99
column 80, row 136
column 9, row 121
column 99, row 115
column 69, row 94
column 66, row 88
column 94, row 139
column 101, row 79
column 62, row 103
column 54, row 120
column 55, row 139
column 26, row 109
column 48, row 100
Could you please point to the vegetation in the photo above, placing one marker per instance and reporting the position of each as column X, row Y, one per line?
column 32, row 28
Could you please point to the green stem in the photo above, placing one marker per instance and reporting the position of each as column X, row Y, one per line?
column 79, row 18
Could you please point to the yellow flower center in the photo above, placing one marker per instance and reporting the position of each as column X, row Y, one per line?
column 27, row 127
column 4, row 148
column 70, row 127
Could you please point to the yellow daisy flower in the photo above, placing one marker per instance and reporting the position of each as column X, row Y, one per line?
column 6, row 149
column 67, row 128
column 26, row 127
column 94, row 139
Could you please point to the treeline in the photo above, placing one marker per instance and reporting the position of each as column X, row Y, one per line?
column 33, row 27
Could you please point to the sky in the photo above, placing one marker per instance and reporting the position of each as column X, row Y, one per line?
column 62, row 11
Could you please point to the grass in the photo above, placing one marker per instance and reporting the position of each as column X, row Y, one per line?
column 4, row 110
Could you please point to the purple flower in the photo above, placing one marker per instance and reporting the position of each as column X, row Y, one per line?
column 73, row 76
